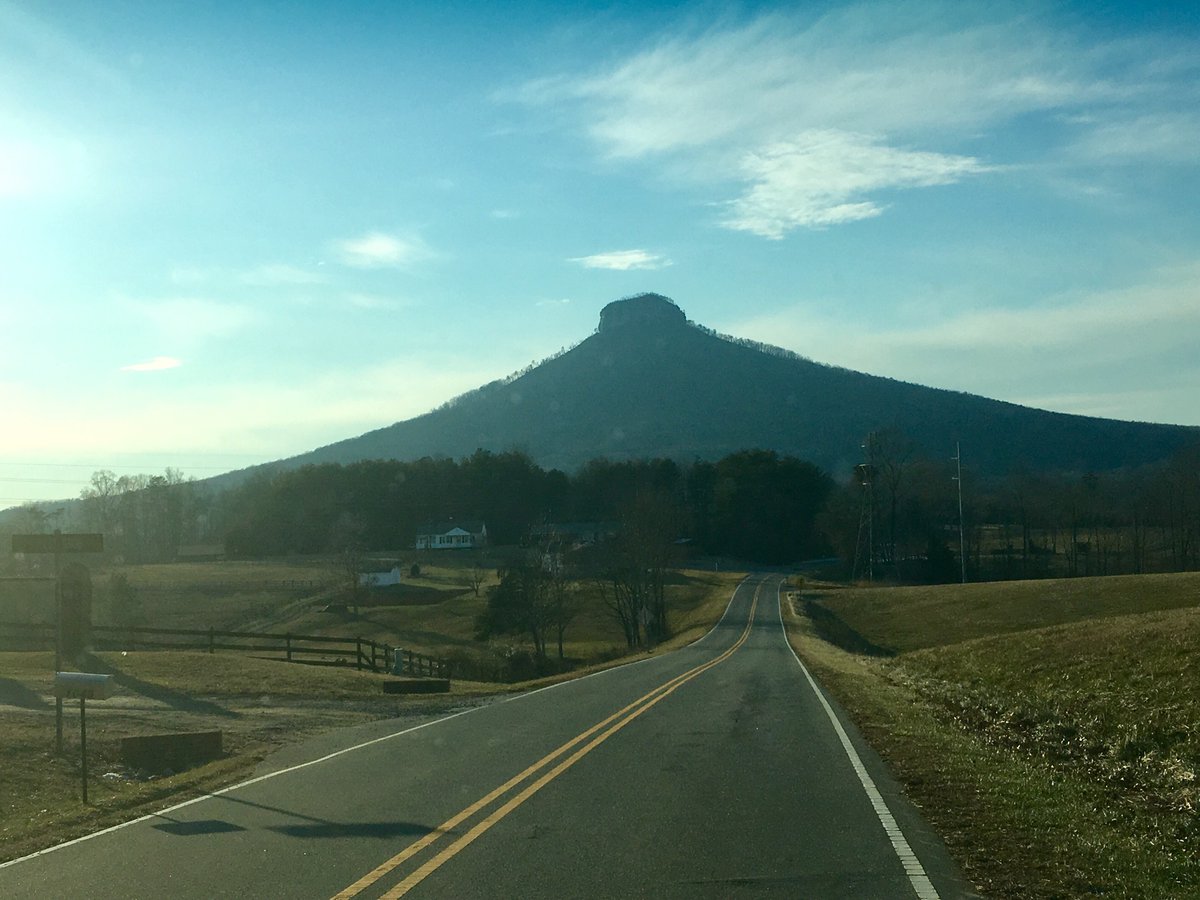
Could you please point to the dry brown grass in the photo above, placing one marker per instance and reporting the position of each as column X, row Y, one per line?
column 912, row 618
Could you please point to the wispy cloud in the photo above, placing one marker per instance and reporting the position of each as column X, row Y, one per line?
column 824, row 178
column 622, row 260
column 158, row 364
column 1170, row 137
column 806, row 122
column 378, row 250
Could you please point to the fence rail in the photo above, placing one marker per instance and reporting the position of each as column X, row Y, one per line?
column 362, row 653
column 244, row 586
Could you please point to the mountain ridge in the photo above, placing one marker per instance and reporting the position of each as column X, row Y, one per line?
column 648, row 382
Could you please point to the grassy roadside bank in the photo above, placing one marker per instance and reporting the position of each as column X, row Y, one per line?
column 260, row 706
column 1040, row 791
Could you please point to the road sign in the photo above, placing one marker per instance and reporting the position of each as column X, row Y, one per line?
column 58, row 543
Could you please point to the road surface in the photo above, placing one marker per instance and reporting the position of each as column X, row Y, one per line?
column 714, row 771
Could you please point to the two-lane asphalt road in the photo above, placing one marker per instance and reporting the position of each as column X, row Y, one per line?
column 715, row 771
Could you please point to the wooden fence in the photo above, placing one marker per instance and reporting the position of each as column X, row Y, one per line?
column 362, row 653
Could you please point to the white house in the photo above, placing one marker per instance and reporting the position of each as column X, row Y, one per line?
column 380, row 579
column 451, row 535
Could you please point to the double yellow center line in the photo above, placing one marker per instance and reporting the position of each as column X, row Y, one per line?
column 598, row 734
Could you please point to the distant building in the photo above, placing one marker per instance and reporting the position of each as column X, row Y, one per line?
column 451, row 535
column 573, row 534
column 380, row 579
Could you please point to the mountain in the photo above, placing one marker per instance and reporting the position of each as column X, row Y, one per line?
column 648, row 383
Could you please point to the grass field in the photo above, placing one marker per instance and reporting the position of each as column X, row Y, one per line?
column 258, row 596
column 912, row 618
column 1051, row 730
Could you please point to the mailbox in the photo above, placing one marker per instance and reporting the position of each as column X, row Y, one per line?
column 82, row 686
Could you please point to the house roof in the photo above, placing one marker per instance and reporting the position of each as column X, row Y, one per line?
column 466, row 527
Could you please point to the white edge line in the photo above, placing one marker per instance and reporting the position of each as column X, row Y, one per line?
column 908, row 859
column 312, row 762
column 234, row 787
column 728, row 606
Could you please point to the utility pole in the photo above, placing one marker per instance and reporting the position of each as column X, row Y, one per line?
column 865, row 473
column 962, row 555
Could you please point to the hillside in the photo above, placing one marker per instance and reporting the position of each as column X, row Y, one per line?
column 649, row 383
column 905, row 619
column 1016, row 710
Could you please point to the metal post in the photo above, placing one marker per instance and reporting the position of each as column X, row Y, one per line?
column 83, row 745
column 58, row 704
column 962, row 555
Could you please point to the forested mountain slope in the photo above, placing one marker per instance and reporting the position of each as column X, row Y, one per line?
column 650, row 384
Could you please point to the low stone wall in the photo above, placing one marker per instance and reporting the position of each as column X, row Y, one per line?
column 417, row 686
column 173, row 752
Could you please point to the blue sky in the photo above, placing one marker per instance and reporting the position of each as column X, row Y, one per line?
column 232, row 232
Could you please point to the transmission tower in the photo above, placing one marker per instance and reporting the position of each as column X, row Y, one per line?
column 864, row 548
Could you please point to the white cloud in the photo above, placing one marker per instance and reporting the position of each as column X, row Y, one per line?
column 622, row 260
column 1170, row 137
column 823, row 177
column 157, row 364
column 378, row 250
column 737, row 108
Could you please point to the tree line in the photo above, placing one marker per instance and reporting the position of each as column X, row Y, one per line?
column 896, row 516
column 899, row 514
column 755, row 505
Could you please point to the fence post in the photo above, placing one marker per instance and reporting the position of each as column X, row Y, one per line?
column 211, row 640
column 409, row 666
column 358, row 653
column 288, row 639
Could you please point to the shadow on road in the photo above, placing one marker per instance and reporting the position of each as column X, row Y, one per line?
column 314, row 827
column 205, row 826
